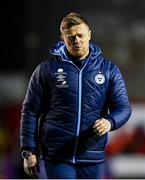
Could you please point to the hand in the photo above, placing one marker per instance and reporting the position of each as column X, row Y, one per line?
column 101, row 126
column 30, row 166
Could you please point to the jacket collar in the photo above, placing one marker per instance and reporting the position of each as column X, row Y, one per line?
column 59, row 49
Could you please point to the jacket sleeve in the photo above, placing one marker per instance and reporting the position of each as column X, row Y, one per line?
column 117, row 100
column 32, row 107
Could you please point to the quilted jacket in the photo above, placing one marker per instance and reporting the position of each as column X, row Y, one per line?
column 72, row 99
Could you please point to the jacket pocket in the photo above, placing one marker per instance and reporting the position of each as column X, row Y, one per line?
column 89, row 141
column 54, row 134
column 57, row 141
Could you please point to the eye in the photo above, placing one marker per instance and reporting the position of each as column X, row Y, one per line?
column 73, row 37
column 70, row 37
column 80, row 35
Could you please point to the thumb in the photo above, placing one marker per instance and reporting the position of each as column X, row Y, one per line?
column 31, row 161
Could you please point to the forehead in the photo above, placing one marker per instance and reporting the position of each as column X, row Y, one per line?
column 80, row 28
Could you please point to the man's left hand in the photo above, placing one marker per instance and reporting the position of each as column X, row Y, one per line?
column 101, row 126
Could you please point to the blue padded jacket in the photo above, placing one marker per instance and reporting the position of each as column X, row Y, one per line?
column 72, row 100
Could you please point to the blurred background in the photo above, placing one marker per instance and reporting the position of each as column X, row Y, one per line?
column 30, row 27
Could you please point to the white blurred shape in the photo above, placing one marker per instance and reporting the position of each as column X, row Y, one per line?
column 128, row 165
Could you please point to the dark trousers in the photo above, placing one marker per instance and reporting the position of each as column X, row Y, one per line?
column 66, row 170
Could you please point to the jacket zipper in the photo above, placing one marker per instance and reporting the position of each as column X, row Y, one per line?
column 79, row 115
column 79, row 108
column 79, row 111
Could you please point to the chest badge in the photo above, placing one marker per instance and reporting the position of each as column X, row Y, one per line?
column 99, row 78
column 61, row 78
column 60, row 70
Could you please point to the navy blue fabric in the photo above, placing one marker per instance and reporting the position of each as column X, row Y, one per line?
column 66, row 170
column 72, row 100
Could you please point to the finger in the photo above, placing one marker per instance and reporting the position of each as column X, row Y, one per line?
column 102, row 123
column 100, row 128
column 100, row 131
column 30, row 172
column 34, row 171
column 30, row 165
column 103, row 132
column 97, row 129
column 98, row 123
column 26, row 171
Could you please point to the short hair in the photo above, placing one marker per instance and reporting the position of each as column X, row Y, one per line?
column 72, row 19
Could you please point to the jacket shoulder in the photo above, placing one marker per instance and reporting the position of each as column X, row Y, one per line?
column 45, row 64
column 112, row 67
column 108, row 62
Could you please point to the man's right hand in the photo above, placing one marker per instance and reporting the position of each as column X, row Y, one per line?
column 30, row 166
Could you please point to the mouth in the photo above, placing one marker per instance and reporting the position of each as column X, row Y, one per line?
column 77, row 47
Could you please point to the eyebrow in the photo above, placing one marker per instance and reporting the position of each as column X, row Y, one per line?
column 76, row 34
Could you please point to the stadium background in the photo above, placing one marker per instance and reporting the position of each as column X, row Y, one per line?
column 30, row 27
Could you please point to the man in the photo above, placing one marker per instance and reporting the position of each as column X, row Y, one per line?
column 81, row 96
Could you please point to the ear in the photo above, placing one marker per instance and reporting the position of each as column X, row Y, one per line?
column 61, row 37
column 90, row 34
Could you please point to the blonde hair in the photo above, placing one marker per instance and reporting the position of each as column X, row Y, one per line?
column 72, row 19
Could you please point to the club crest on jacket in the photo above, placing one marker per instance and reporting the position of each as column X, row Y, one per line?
column 99, row 78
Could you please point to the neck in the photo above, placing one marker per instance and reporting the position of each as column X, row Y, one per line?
column 84, row 56
column 73, row 57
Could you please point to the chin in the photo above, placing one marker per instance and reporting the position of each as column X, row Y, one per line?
column 78, row 54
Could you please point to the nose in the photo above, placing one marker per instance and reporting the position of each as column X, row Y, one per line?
column 77, row 39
